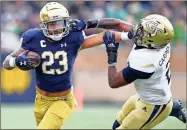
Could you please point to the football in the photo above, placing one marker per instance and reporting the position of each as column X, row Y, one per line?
column 35, row 57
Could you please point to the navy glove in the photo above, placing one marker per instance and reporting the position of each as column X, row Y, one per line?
column 111, row 47
column 25, row 63
column 77, row 25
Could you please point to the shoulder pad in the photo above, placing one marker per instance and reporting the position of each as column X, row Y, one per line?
column 79, row 36
column 29, row 35
column 141, row 64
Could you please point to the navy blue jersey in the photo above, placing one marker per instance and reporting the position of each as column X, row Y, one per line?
column 57, row 58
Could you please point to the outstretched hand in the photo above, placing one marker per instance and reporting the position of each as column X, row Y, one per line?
column 111, row 47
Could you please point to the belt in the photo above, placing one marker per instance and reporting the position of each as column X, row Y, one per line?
column 53, row 94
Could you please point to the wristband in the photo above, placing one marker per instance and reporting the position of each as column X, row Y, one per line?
column 112, row 57
column 124, row 36
column 12, row 61
column 112, row 64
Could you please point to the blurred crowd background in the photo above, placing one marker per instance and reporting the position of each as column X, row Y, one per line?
column 19, row 16
column 90, row 69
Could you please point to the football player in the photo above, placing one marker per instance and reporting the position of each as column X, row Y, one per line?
column 148, row 66
column 178, row 110
column 58, row 47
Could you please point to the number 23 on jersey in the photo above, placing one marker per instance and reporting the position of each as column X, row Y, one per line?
column 52, row 57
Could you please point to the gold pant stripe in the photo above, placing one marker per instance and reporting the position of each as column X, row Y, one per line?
column 154, row 112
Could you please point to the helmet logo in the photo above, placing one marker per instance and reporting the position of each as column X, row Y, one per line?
column 153, row 26
column 45, row 16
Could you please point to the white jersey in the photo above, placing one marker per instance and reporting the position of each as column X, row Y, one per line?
column 156, row 89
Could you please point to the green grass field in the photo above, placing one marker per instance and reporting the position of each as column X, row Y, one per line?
column 21, row 117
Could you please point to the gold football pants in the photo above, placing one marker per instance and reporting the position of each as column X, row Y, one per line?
column 52, row 112
column 137, row 114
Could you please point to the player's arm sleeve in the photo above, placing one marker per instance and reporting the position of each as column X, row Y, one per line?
column 26, row 39
column 81, row 39
column 137, row 69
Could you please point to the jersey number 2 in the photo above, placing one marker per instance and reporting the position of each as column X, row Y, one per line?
column 168, row 74
column 52, row 57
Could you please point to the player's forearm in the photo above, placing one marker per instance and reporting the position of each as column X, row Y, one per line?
column 111, row 23
column 117, row 36
column 97, row 39
column 112, row 72
column 115, row 79
column 93, row 40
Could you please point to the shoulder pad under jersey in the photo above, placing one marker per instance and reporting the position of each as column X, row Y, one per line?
column 28, row 36
column 143, row 65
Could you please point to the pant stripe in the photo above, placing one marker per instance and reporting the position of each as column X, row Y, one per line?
column 163, row 108
column 155, row 110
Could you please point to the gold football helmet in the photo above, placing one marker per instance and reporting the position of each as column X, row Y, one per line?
column 153, row 31
column 54, row 19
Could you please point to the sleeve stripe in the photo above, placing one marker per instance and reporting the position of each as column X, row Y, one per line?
column 84, row 35
column 130, row 74
column 148, row 66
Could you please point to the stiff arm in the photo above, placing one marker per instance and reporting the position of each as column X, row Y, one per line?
column 110, row 23
column 106, row 23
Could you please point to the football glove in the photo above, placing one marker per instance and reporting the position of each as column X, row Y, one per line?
column 79, row 25
column 25, row 63
column 111, row 47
